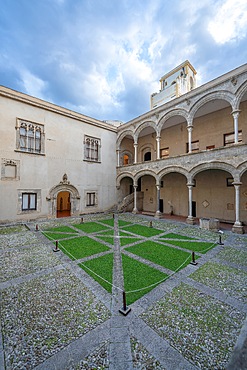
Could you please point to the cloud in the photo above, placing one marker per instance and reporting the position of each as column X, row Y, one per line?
column 230, row 22
column 33, row 85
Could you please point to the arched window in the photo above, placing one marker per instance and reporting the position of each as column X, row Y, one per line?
column 147, row 156
column 125, row 159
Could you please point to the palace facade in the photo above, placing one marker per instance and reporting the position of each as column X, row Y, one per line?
column 187, row 156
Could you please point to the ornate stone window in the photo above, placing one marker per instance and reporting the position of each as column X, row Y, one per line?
column 10, row 169
column 29, row 137
column 92, row 147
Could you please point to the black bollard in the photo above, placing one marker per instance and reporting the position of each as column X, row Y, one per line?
column 220, row 241
column 193, row 262
column 37, row 227
column 113, row 215
column 56, row 247
column 125, row 310
column 81, row 220
column 150, row 224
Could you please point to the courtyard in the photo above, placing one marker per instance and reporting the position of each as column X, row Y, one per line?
column 62, row 284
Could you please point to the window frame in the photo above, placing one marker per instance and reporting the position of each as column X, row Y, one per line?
column 29, row 201
column 232, row 140
column 29, row 137
column 91, row 199
column 92, row 149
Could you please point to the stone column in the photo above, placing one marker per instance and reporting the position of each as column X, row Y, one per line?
column 190, row 219
column 135, row 210
column 118, row 157
column 235, row 114
column 237, row 227
column 158, row 213
column 135, row 147
column 189, row 128
column 158, row 147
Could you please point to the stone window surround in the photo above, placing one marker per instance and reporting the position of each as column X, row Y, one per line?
column 36, row 126
column 19, row 202
column 86, row 192
column 93, row 140
column 10, row 162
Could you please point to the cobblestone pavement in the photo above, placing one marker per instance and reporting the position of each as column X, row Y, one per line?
column 54, row 316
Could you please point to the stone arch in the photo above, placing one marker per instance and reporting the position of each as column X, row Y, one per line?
column 242, row 168
column 171, row 169
column 122, row 136
column 122, row 176
column 142, row 126
column 65, row 186
column 217, row 95
column 213, row 166
column 172, row 113
column 143, row 173
column 240, row 93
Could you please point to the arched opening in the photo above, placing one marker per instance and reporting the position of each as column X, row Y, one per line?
column 147, row 156
column 125, row 159
column 63, row 204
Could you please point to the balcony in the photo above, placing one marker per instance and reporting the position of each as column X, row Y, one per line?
column 232, row 155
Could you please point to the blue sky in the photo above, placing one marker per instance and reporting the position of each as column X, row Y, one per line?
column 104, row 58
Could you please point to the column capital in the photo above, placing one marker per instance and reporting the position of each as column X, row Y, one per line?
column 236, row 112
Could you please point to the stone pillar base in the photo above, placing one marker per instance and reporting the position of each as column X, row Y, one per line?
column 190, row 220
column 135, row 211
column 158, row 214
column 238, row 228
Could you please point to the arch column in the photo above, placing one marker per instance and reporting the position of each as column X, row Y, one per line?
column 158, row 213
column 135, row 210
column 237, row 227
column 190, row 128
column 190, row 219
column 118, row 157
column 158, row 147
column 136, row 148
column 235, row 115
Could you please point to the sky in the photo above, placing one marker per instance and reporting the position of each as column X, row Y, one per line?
column 104, row 58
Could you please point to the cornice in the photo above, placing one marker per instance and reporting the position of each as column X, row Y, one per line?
column 42, row 104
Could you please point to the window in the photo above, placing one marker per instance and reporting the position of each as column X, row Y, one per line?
column 229, row 138
column 147, row 156
column 29, row 201
column 194, row 146
column 91, row 199
column 92, row 149
column 30, row 137
column 164, row 152
column 10, row 169
column 125, row 159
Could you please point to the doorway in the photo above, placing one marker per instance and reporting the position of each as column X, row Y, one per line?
column 193, row 208
column 161, row 208
column 63, row 204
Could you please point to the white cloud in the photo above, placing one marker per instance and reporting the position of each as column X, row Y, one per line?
column 32, row 84
column 230, row 22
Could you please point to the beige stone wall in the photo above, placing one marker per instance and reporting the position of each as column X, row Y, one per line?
column 64, row 154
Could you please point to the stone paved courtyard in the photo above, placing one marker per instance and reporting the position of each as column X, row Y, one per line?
column 55, row 316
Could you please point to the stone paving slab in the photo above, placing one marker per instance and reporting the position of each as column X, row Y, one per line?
column 118, row 330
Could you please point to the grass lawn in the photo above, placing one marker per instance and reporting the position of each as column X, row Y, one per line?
column 110, row 222
column 176, row 236
column 199, row 246
column 102, row 266
column 61, row 229
column 137, row 275
column 91, row 227
column 57, row 236
column 143, row 230
column 82, row 247
column 162, row 255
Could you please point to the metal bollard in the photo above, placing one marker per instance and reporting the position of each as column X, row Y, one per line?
column 193, row 262
column 56, row 247
column 125, row 310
